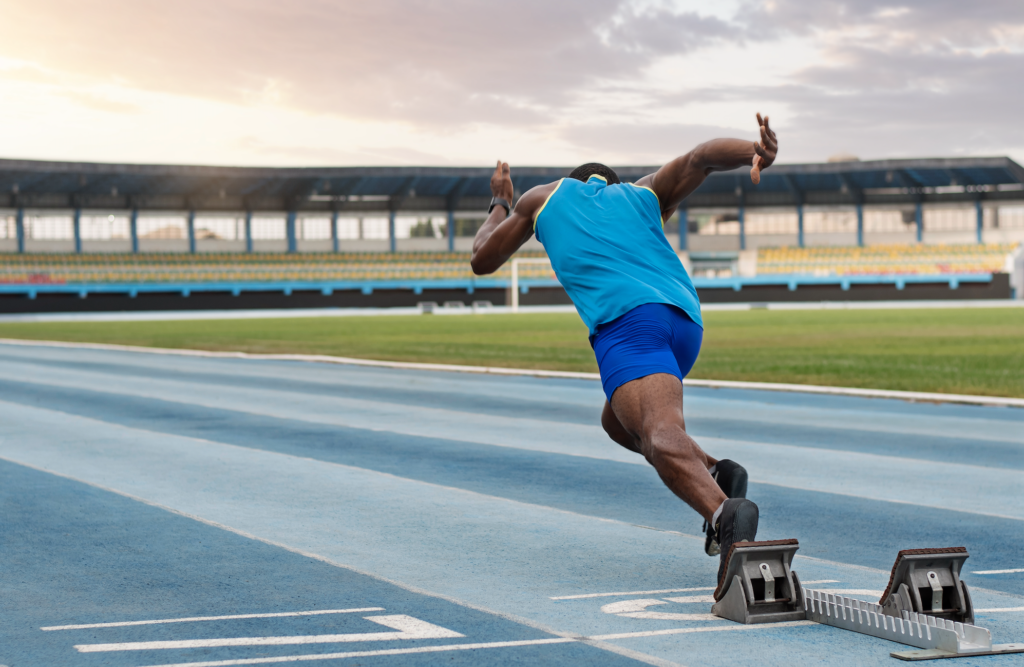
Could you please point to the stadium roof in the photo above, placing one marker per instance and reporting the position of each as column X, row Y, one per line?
column 64, row 185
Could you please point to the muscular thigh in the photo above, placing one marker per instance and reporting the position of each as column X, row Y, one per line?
column 645, row 402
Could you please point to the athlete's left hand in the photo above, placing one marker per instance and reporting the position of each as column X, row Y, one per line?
column 501, row 182
column 765, row 150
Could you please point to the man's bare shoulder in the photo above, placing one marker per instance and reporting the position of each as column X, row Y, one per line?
column 534, row 198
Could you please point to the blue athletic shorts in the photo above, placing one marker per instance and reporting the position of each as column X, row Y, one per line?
column 652, row 338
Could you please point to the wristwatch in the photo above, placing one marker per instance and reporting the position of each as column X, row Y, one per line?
column 498, row 201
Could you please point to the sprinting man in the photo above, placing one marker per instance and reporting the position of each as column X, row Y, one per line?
column 606, row 245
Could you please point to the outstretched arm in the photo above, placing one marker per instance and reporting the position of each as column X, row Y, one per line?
column 501, row 235
column 677, row 179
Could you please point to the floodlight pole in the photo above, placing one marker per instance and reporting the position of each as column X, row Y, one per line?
column 979, row 223
column 334, row 230
column 191, row 230
column 76, row 227
column 133, row 230
column 248, row 231
column 19, row 228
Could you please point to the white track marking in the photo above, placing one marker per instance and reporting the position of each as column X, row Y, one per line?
column 472, row 647
column 822, row 581
column 491, row 370
column 678, row 590
column 776, row 462
column 407, row 626
column 671, row 616
column 1019, row 569
column 629, row 606
column 621, row 594
column 853, row 591
column 516, row 618
column 412, row 588
column 367, row 654
column 693, row 598
column 1000, row 609
column 684, row 631
column 637, row 609
column 195, row 619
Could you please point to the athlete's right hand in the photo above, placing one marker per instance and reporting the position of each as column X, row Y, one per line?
column 765, row 150
column 501, row 182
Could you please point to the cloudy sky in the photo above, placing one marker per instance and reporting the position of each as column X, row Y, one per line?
column 539, row 82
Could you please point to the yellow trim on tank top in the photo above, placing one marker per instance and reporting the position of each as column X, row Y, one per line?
column 544, row 205
column 644, row 187
column 597, row 176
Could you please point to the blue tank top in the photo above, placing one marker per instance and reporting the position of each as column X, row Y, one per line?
column 608, row 249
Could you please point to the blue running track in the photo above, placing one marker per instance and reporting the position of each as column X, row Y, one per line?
column 216, row 512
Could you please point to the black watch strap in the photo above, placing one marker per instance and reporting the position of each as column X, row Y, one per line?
column 498, row 201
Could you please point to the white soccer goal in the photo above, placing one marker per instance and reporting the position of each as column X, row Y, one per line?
column 515, row 276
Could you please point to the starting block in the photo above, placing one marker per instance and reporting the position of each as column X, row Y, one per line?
column 927, row 581
column 925, row 605
column 759, row 585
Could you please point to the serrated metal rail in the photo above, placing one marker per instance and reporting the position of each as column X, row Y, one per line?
column 920, row 630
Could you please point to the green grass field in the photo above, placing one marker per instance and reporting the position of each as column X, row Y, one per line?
column 968, row 351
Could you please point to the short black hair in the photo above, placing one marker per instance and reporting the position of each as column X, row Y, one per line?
column 585, row 171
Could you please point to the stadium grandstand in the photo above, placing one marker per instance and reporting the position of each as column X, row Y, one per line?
column 86, row 236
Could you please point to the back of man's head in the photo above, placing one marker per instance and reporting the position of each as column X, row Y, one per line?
column 585, row 171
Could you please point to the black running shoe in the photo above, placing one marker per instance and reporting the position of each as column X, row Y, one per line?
column 732, row 479
column 736, row 523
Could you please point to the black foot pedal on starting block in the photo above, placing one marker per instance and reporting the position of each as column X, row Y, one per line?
column 927, row 581
column 759, row 585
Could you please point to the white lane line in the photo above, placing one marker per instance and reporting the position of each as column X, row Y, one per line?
column 672, row 590
column 407, row 626
column 515, row 618
column 999, row 609
column 471, row 647
column 853, row 467
column 686, row 599
column 1019, row 569
column 193, row 619
column 415, row 589
column 684, row 631
column 611, row 595
column 491, row 370
column 367, row 654
column 672, row 616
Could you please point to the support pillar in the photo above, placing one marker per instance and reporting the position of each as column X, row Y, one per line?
column 684, row 226
column 800, row 225
column 290, row 232
column 19, row 228
column 191, row 230
column 743, row 227
column 248, row 231
column 860, row 225
column 919, row 221
column 391, row 231
column 450, row 231
column 76, row 230
column 334, row 231
column 979, row 223
column 133, row 229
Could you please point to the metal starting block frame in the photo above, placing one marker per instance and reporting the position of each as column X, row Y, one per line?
column 759, row 585
column 927, row 581
column 943, row 638
column 925, row 605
